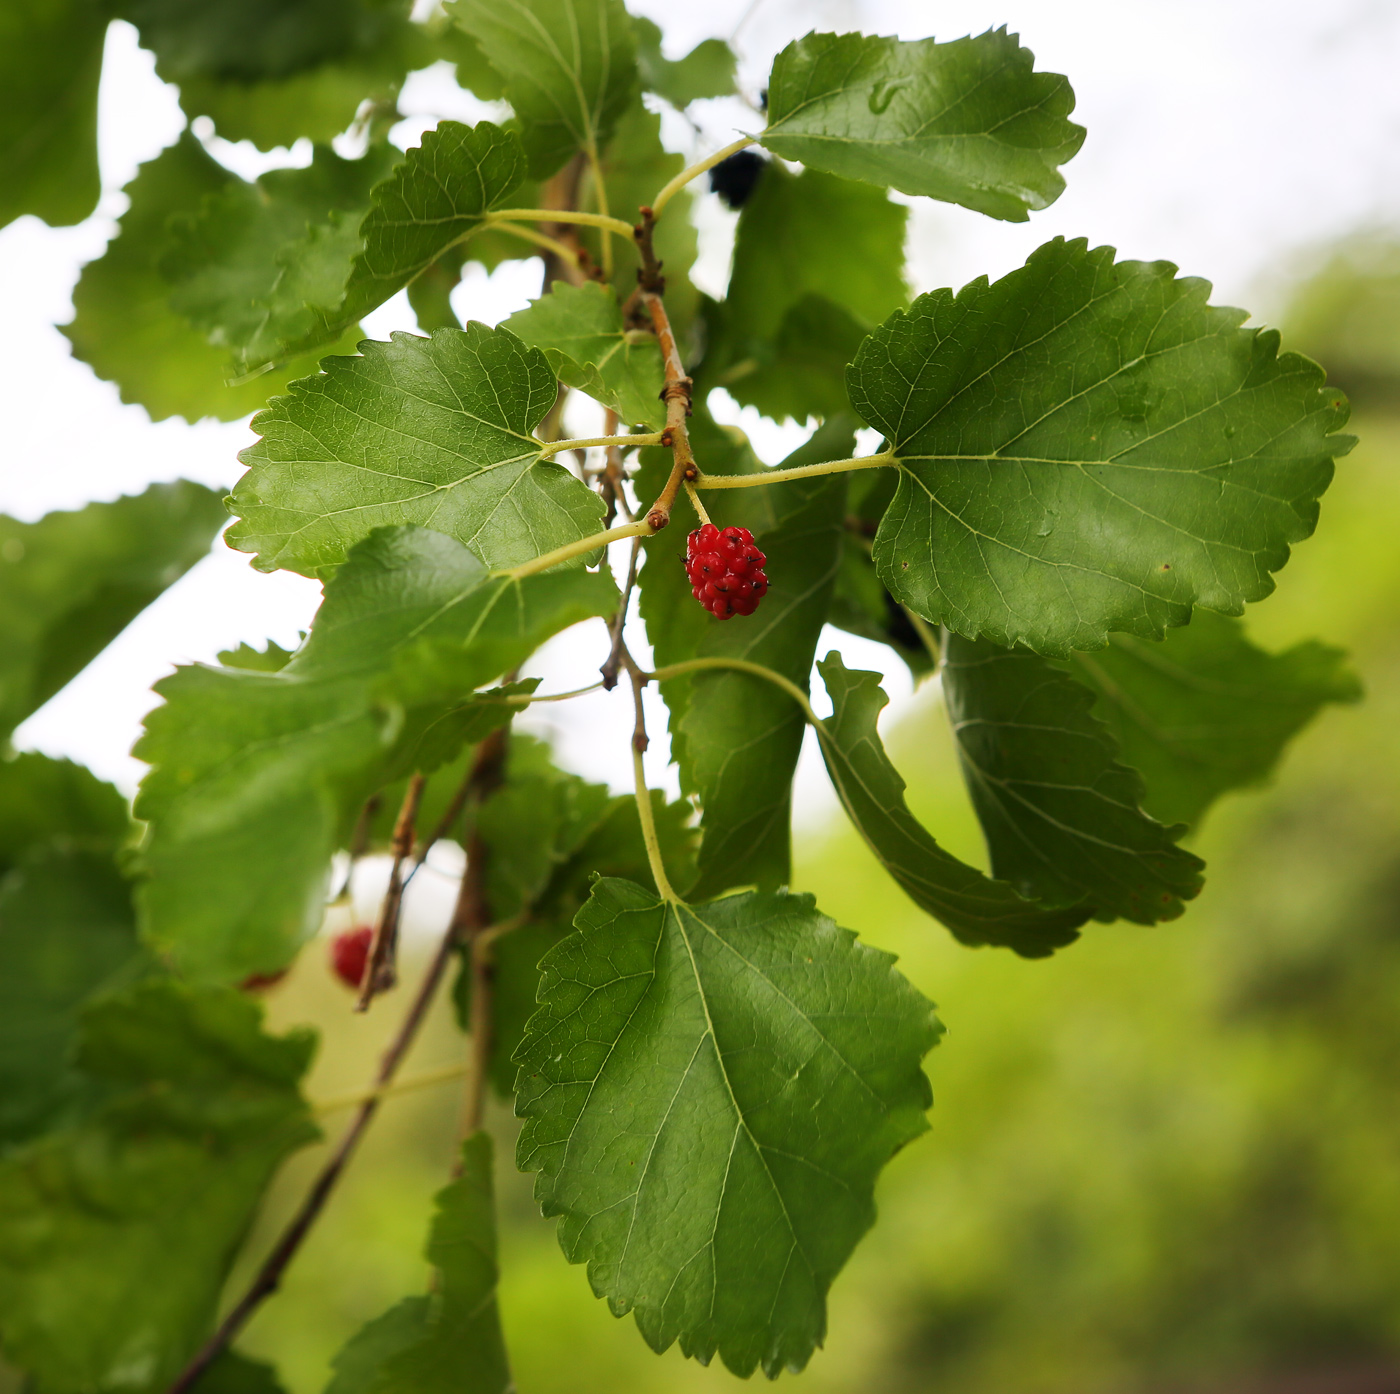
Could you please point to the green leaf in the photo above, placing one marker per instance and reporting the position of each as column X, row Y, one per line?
column 818, row 262
column 968, row 122
column 44, row 800
column 1088, row 446
column 117, row 1232
column 570, row 69
column 635, row 166
column 581, row 333
column 246, row 268
column 547, row 836
column 450, row 1342
column 1205, row 711
column 314, row 105
column 124, row 327
column 321, row 249
column 258, row 777
column 251, row 40
column 232, row 1373
column 70, row 583
column 67, row 932
column 977, row 909
column 50, row 60
column 1061, row 815
column 861, row 603
column 432, row 431
column 740, row 736
column 709, row 1092
column 706, row 71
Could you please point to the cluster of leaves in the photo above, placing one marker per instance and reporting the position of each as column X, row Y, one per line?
column 1087, row 471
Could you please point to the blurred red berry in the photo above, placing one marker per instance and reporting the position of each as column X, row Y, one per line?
column 725, row 570
column 350, row 953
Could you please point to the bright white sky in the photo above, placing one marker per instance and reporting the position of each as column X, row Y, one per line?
column 1229, row 137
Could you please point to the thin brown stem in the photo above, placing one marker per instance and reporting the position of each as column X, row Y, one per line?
column 613, row 665
column 269, row 1276
column 359, row 844
column 678, row 393
column 380, row 973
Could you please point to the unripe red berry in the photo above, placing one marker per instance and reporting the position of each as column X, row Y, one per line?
column 725, row 570
column 350, row 953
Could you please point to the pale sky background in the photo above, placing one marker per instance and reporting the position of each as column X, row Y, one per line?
column 1232, row 138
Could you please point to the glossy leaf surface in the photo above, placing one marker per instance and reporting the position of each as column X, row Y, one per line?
column 977, row 909
column 709, row 1092
column 258, row 777
column 1087, row 446
column 70, row 583
column 437, row 432
column 1061, row 815
column 1205, row 710
column 968, row 122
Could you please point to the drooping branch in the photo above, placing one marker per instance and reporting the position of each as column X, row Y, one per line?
column 380, row 973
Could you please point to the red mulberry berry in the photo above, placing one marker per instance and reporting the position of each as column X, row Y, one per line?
column 725, row 570
column 349, row 954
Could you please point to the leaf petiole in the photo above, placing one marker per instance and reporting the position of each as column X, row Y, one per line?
column 553, row 447
column 748, row 481
column 560, row 215
column 645, row 815
column 695, row 171
column 577, row 549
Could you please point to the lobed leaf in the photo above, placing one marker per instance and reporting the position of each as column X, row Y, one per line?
column 706, row 71
column 117, row 1232
column 70, row 583
column 977, row 909
column 449, row 1342
column 968, row 122
column 257, row 777
column 1206, row 711
column 1062, row 817
column 124, row 327
column 570, row 69
column 1087, row 445
column 709, row 1092
column 580, row 331
column 50, row 61
column 437, row 432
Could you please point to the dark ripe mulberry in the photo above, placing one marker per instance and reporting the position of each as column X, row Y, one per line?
column 725, row 570
column 735, row 179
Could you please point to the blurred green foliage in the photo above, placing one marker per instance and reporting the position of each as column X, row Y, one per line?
column 1165, row 1159
column 1347, row 315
